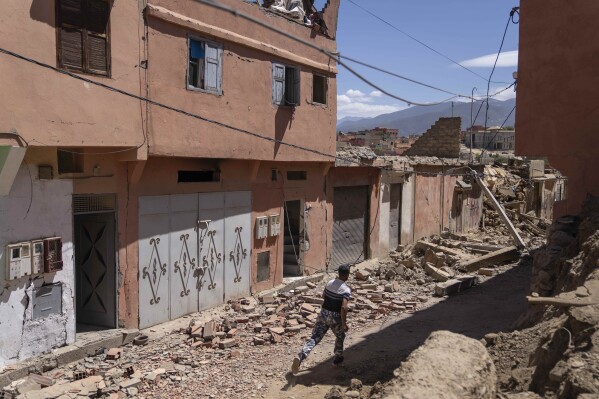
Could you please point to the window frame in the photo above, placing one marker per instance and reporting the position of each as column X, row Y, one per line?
column 85, row 70
column 326, row 88
column 297, row 83
column 220, row 48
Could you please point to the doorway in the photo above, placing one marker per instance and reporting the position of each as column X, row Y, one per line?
column 395, row 216
column 291, row 239
column 95, row 262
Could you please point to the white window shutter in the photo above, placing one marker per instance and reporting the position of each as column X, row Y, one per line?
column 296, row 85
column 278, row 84
column 212, row 71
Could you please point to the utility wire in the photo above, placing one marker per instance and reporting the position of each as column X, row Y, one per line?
column 510, row 19
column 418, row 41
column 195, row 116
column 333, row 56
column 500, row 127
column 399, row 76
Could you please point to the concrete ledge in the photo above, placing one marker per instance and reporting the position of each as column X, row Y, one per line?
column 86, row 345
column 312, row 279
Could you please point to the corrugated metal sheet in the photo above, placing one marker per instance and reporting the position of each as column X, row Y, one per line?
column 350, row 218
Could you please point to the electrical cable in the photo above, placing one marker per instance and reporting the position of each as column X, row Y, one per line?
column 333, row 56
column 510, row 19
column 496, row 133
column 399, row 76
column 174, row 109
column 419, row 41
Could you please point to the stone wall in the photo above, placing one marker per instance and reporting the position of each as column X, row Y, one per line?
column 441, row 140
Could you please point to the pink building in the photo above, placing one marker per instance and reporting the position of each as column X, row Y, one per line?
column 167, row 207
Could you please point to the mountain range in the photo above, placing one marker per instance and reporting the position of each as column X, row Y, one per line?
column 418, row 119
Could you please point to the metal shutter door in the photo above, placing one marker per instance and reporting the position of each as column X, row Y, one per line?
column 350, row 217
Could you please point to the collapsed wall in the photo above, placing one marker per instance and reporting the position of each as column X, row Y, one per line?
column 557, row 353
column 441, row 140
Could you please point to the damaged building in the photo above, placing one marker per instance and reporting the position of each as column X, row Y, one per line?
column 382, row 202
column 120, row 212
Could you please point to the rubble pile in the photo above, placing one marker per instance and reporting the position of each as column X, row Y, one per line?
column 557, row 354
column 511, row 186
column 240, row 338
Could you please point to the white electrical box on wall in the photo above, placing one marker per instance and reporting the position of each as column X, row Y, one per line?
column 37, row 257
column 261, row 227
column 18, row 260
column 274, row 225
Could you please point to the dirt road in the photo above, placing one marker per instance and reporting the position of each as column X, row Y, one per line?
column 373, row 354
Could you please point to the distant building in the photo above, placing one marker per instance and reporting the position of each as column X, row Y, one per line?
column 493, row 138
column 381, row 140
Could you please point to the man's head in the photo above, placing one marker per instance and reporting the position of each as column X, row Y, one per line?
column 343, row 272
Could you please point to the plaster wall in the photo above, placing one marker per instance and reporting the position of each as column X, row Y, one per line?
column 246, row 100
column 407, row 210
column 557, row 114
column 371, row 177
column 49, row 108
column 268, row 198
column 49, row 215
column 384, row 213
column 159, row 177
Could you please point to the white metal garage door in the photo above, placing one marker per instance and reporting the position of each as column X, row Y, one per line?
column 194, row 253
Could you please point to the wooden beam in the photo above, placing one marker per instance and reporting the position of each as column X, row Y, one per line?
column 501, row 211
column 490, row 259
column 555, row 301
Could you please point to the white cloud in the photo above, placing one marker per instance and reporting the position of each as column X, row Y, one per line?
column 506, row 59
column 357, row 103
column 504, row 95
column 354, row 93
column 365, row 110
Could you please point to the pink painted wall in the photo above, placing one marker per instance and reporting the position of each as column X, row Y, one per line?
column 48, row 108
column 557, row 115
column 246, row 101
column 160, row 178
column 268, row 198
column 363, row 176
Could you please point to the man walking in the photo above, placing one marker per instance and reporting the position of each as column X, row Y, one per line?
column 333, row 315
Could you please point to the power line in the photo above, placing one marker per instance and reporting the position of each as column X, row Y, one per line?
column 497, row 132
column 333, row 56
column 418, row 41
column 192, row 115
column 510, row 19
column 399, row 76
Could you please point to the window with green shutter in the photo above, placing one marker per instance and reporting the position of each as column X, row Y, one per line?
column 83, row 43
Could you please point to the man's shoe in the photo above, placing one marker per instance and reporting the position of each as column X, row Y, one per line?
column 296, row 365
column 338, row 360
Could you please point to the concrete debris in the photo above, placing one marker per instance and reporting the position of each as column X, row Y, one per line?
column 492, row 258
column 554, row 352
column 434, row 370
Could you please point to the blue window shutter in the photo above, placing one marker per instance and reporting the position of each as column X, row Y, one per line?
column 278, row 84
column 196, row 49
column 212, row 68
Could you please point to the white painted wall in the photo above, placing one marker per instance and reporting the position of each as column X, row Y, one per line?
column 407, row 210
column 384, row 212
column 50, row 215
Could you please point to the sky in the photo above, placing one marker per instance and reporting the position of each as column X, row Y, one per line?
column 467, row 31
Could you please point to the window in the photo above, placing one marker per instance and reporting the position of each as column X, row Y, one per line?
column 263, row 266
column 198, row 176
column 319, row 89
column 297, row 175
column 285, row 85
column 205, row 66
column 83, row 40
column 70, row 161
column 560, row 190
